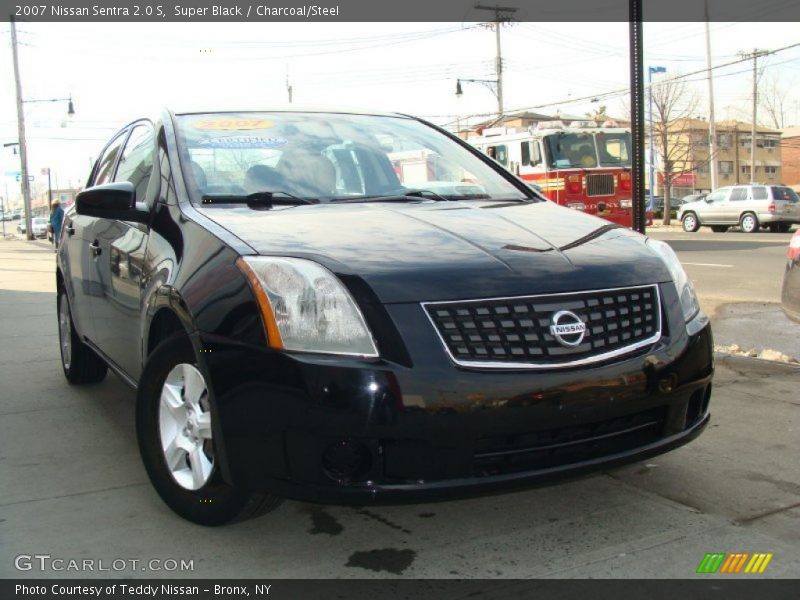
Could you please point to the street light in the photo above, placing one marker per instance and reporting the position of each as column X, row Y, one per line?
column 650, row 71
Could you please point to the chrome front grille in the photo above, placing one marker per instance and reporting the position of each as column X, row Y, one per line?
column 517, row 332
column 600, row 185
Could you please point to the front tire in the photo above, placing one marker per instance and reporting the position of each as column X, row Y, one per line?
column 690, row 222
column 749, row 223
column 80, row 363
column 174, row 427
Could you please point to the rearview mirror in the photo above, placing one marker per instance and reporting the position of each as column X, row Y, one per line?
column 112, row 201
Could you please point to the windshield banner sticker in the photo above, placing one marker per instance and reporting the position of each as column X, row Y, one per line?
column 243, row 142
column 239, row 124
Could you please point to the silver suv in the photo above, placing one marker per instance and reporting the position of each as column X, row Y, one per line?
column 749, row 206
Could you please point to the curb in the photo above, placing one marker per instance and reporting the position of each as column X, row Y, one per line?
column 760, row 363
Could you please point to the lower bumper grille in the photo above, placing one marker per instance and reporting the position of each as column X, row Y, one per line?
column 497, row 455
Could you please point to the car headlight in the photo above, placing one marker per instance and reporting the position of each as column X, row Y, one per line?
column 306, row 308
column 683, row 284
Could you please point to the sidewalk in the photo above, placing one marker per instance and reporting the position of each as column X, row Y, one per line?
column 76, row 487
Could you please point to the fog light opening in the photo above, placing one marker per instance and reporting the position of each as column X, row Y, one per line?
column 346, row 461
column 706, row 400
column 695, row 408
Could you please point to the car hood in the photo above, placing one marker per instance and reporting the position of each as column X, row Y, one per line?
column 695, row 204
column 433, row 251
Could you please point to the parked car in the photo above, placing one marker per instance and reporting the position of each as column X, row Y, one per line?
column 748, row 206
column 790, row 293
column 658, row 203
column 315, row 322
column 39, row 226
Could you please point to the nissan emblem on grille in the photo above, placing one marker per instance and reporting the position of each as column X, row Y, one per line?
column 567, row 328
column 548, row 330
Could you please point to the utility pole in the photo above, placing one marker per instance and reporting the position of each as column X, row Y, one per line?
column 23, row 149
column 712, row 126
column 755, row 54
column 636, row 48
column 501, row 15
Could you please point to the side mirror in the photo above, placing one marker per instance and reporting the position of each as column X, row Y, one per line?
column 112, row 201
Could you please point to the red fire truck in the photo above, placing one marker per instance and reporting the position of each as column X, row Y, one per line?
column 582, row 166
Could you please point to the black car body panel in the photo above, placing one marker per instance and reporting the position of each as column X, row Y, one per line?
column 414, row 248
column 411, row 423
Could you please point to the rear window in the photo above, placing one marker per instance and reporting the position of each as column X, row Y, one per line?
column 784, row 193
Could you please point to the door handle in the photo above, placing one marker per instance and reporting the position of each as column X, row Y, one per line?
column 70, row 230
column 95, row 246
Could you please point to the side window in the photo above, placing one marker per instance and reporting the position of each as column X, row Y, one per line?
column 531, row 155
column 136, row 161
column 759, row 193
column 739, row 193
column 105, row 165
column 499, row 153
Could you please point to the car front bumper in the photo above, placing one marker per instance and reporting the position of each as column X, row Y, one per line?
column 337, row 430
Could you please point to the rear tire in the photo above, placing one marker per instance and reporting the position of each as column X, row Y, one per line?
column 174, row 427
column 749, row 223
column 719, row 228
column 80, row 363
column 690, row 222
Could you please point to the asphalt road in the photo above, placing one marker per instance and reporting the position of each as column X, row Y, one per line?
column 731, row 266
column 72, row 485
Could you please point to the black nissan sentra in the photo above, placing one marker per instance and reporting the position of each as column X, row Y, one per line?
column 351, row 307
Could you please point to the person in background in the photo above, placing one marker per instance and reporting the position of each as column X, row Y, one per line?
column 56, row 218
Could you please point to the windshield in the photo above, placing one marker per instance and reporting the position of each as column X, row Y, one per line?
column 570, row 150
column 326, row 156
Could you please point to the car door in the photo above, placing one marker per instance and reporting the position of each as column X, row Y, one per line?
column 712, row 208
column 737, row 203
column 79, row 254
column 121, row 257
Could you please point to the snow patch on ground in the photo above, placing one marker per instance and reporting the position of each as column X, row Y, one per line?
column 765, row 354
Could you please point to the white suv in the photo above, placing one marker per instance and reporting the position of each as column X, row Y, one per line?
column 749, row 206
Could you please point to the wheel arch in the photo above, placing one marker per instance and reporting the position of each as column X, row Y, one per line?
column 166, row 315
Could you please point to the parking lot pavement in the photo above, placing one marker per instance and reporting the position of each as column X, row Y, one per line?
column 73, row 487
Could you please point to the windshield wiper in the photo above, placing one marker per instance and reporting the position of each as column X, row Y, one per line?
column 267, row 199
column 404, row 195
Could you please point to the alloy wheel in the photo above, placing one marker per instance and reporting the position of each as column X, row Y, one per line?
column 65, row 332
column 184, row 421
column 749, row 223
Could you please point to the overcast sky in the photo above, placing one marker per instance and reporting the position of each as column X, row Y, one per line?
column 116, row 72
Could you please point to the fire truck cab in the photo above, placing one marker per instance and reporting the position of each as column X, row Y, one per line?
column 582, row 166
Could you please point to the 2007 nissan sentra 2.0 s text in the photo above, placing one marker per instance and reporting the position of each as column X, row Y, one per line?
column 351, row 307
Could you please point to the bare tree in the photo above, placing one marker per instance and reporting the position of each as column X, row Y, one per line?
column 674, row 105
column 773, row 100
